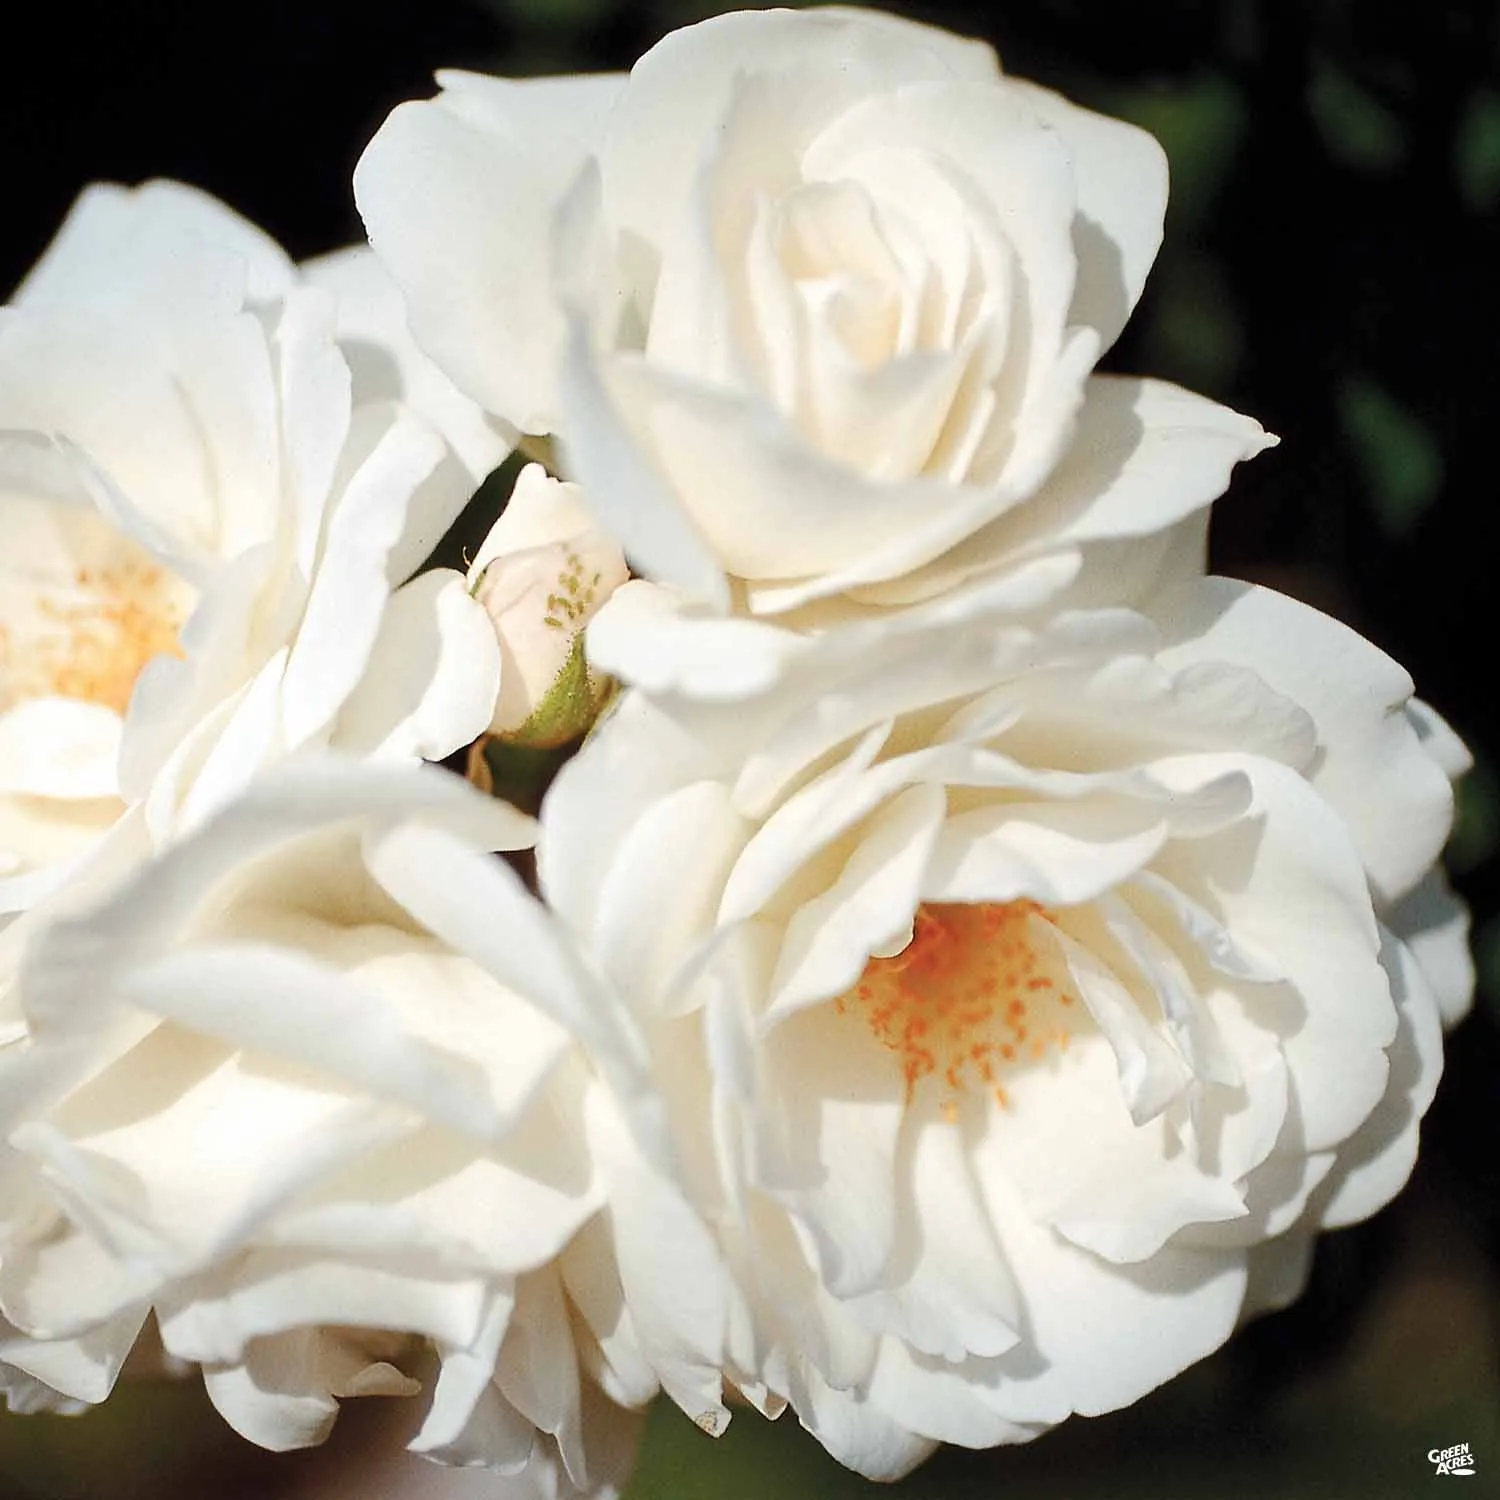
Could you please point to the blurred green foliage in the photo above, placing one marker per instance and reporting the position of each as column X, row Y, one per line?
column 1357, row 129
column 1401, row 460
column 1349, row 1415
column 1477, row 150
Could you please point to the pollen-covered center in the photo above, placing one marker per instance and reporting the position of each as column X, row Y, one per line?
column 979, row 990
column 88, row 636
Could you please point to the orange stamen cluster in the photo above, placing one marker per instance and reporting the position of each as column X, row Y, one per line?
column 93, row 644
column 977, row 990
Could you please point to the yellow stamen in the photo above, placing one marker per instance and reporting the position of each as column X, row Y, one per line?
column 94, row 641
column 975, row 990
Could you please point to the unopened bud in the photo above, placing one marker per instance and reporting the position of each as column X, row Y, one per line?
column 543, row 573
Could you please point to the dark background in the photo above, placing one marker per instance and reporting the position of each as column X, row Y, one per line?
column 1332, row 254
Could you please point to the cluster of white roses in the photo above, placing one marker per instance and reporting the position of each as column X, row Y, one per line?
column 966, row 964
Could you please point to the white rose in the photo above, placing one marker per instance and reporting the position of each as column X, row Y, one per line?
column 1023, row 991
column 825, row 308
column 324, row 1089
column 386, row 364
column 1368, row 722
column 207, row 520
column 542, row 574
column 1428, row 917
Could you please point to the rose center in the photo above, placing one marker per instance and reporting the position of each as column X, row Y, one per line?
column 834, row 252
column 90, row 639
column 978, row 991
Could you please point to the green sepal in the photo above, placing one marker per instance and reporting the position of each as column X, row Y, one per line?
column 570, row 707
column 518, row 774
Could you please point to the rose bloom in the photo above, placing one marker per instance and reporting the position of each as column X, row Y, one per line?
column 1029, row 994
column 323, row 1091
column 209, row 522
column 827, row 293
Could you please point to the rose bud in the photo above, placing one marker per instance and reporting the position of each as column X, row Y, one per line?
column 541, row 575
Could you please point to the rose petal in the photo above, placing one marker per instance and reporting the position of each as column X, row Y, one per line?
column 1374, row 770
column 430, row 682
column 59, row 747
column 457, row 195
